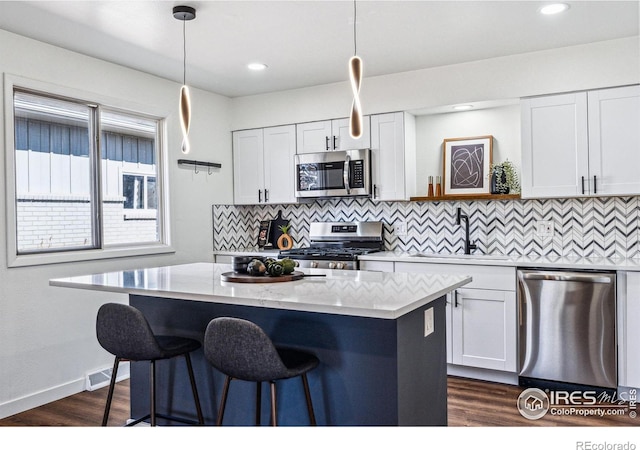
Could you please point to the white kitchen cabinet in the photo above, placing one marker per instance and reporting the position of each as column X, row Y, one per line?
column 481, row 316
column 376, row 266
column 263, row 165
column 393, row 156
column 614, row 140
column 483, row 324
column 628, row 330
column 330, row 135
column 581, row 144
column 226, row 256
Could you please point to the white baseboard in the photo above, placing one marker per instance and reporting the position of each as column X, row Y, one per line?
column 483, row 374
column 41, row 398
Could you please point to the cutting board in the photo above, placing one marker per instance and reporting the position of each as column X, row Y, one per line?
column 275, row 228
column 237, row 277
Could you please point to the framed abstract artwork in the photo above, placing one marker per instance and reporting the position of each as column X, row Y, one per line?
column 466, row 165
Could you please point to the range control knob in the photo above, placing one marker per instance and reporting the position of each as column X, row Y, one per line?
column 333, row 265
column 313, row 264
column 340, row 265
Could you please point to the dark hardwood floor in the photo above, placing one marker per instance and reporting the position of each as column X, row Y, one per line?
column 471, row 403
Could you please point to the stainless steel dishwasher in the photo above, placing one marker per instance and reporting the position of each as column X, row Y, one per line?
column 567, row 328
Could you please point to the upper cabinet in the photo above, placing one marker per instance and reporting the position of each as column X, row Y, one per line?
column 581, row 144
column 614, row 140
column 263, row 165
column 330, row 135
column 393, row 156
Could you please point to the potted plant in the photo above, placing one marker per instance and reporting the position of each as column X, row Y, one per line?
column 504, row 178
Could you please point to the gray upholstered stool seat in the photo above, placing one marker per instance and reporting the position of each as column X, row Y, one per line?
column 123, row 331
column 241, row 350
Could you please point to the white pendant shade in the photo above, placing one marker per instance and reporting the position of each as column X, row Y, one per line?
column 355, row 119
column 185, row 117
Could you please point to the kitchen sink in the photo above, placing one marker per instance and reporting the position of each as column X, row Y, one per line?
column 461, row 256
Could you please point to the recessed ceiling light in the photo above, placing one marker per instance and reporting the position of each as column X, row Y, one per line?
column 256, row 66
column 554, row 8
column 462, row 107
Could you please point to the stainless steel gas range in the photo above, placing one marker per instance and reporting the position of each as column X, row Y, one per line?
column 337, row 245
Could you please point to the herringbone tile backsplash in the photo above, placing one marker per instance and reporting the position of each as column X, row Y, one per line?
column 589, row 227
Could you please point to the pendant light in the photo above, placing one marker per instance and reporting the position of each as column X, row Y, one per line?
column 184, row 13
column 355, row 76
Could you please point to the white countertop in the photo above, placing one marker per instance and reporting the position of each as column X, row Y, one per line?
column 548, row 262
column 343, row 292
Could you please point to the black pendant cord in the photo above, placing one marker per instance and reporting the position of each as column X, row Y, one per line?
column 184, row 52
column 355, row 42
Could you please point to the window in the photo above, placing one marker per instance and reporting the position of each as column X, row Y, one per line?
column 128, row 149
column 133, row 189
column 86, row 177
column 139, row 191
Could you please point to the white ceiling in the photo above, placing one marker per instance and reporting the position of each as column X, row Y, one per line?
column 307, row 43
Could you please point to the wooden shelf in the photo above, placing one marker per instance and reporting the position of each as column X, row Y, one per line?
column 467, row 197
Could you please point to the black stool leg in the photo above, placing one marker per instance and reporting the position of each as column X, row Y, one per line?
column 307, row 394
column 273, row 404
column 258, row 401
column 152, row 393
column 112, row 385
column 223, row 401
column 194, row 389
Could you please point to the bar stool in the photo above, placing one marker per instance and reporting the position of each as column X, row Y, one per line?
column 123, row 331
column 241, row 350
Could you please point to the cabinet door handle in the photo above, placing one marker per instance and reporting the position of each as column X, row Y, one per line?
column 326, row 141
column 375, row 191
column 455, row 298
column 259, row 195
column 595, row 191
column 266, row 195
column 346, row 174
column 583, row 185
column 335, row 140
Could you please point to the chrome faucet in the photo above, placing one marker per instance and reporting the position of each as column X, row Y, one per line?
column 468, row 246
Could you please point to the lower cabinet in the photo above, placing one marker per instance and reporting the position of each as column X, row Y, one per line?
column 377, row 266
column 481, row 316
column 227, row 257
column 222, row 259
column 483, row 325
column 628, row 332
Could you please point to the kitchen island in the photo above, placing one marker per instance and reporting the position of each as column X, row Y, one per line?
column 380, row 338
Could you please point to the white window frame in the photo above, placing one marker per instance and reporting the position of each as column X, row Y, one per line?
column 139, row 213
column 12, row 82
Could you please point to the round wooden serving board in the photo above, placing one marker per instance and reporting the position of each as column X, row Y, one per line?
column 237, row 277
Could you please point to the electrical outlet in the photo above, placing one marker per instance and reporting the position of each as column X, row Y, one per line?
column 428, row 322
column 544, row 228
column 400, row 228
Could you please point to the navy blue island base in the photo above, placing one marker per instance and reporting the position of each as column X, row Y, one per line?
column 372, row 372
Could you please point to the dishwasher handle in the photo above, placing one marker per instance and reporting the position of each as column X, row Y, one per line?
column 575, row 277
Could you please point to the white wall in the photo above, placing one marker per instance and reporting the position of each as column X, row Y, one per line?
column 608, row 63
column 48, row 333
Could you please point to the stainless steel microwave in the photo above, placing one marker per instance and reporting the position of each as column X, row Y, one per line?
column 334, row 174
